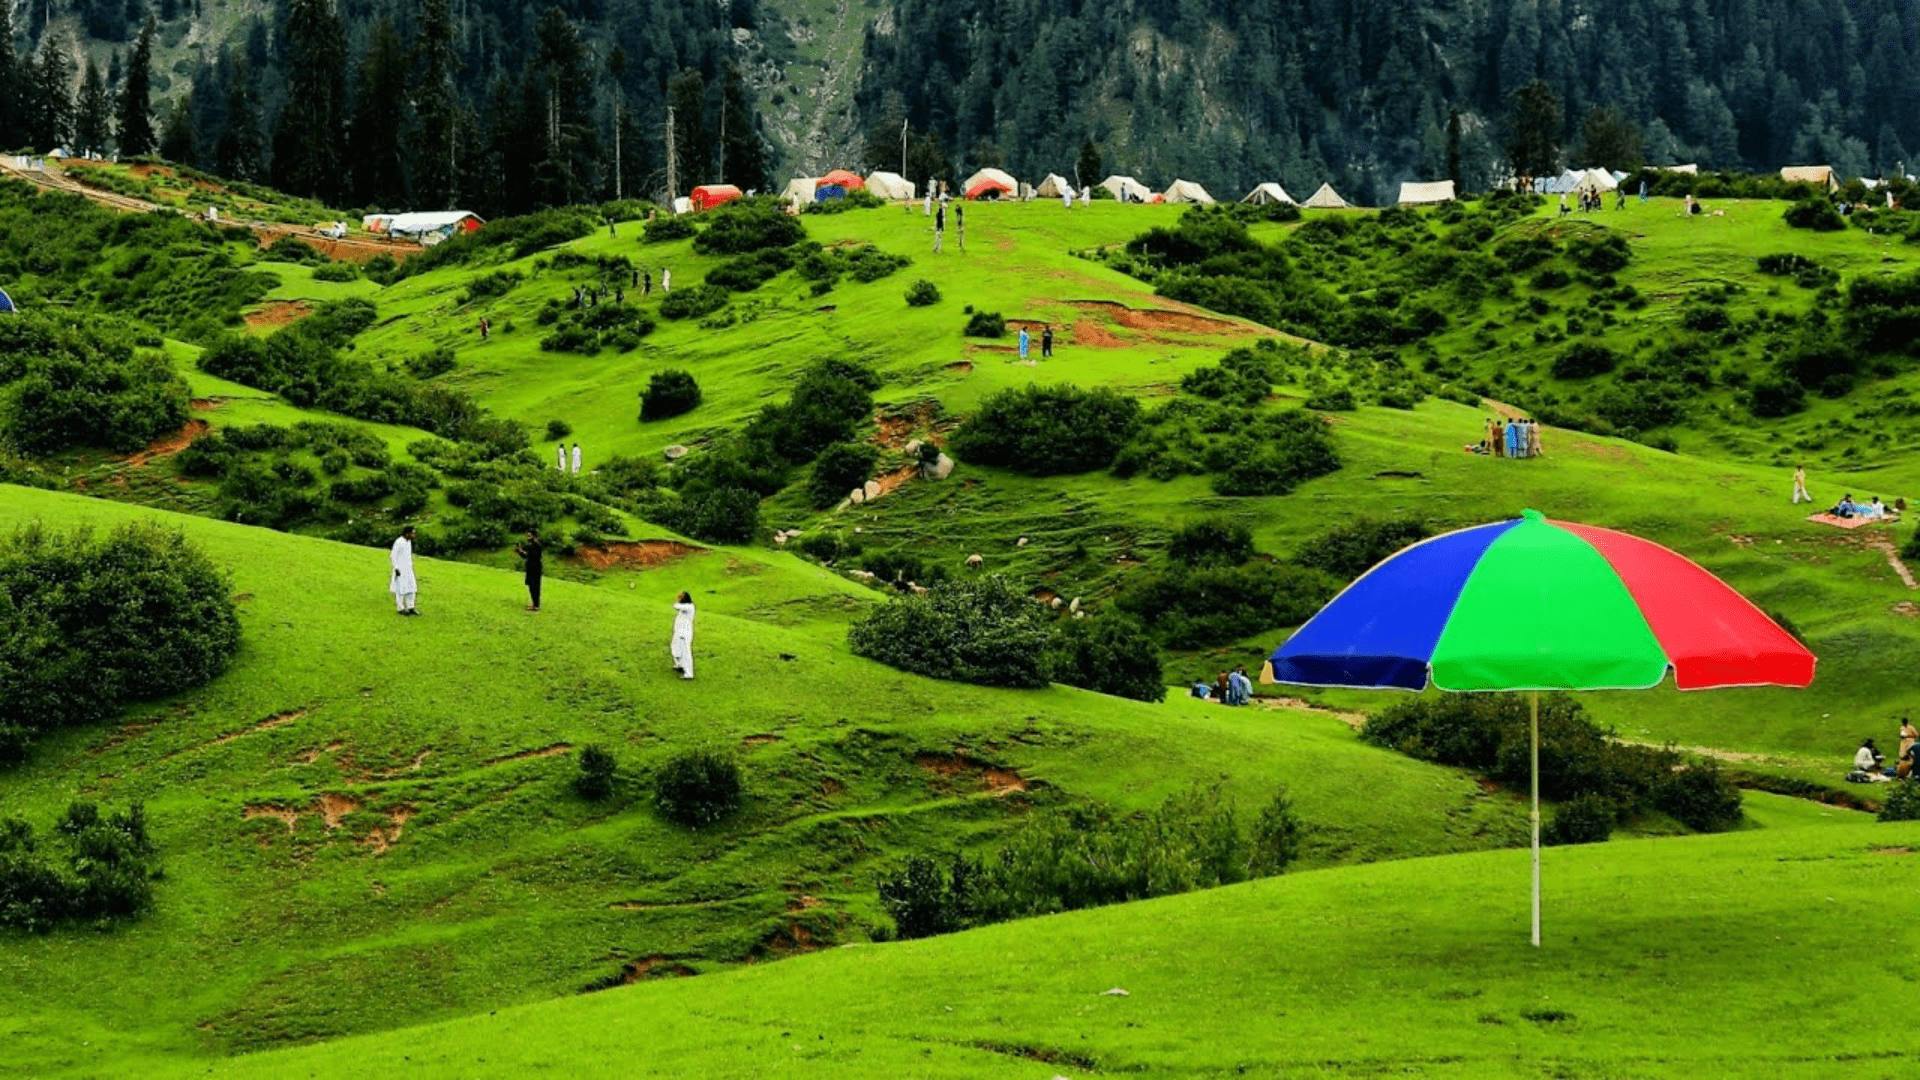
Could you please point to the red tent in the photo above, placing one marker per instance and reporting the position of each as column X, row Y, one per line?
column 988, row 188
column 708, row 196
column 850, row 181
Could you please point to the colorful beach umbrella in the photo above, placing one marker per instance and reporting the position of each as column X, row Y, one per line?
column 1534, row 604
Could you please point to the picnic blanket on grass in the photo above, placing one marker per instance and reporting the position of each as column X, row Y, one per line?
column 1846, row 523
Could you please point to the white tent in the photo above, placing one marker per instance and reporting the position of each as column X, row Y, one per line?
column 1269, row 193
column 1566, row 183
column 799, row 191
column 1053, row 187
column 1326, row 199
column 1186, row 191
column 888, row 185
column 1821, row 175
column 437, row 224
column 1598, row 180
column 1690, row 170
column 1126, row 188
column 1419, row 194
column 682, row 204
column 998, row 176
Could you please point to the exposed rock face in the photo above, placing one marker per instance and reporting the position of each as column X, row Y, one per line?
column 675, row 452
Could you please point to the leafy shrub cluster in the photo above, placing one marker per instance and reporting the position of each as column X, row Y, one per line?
column 720, row 491
column 668, row 394
column 90, row 869
column 1211, row 542
column 520, row 236
column 986, row 324
column 1247, row 451
column 489, row 285
column 1190, row 607
column 1352, row 548
column 1111, row 654
column 982, row 631
column 1088, row 856
column 1804, row 271
column 1902, row 802
column 1816, row 214
column 336, row 271
column 839, row 469
column 666, row 228
column 69, row 381
column 1583, row 360
column 1244, row 376
column 1578, row 761
column 923, row 293
column 172, row 625
column 863, row 263
column 1048, row 430
column 746, row 225
column 698, row 787
column 693, row 302
column 598, row 771
column 591, row 329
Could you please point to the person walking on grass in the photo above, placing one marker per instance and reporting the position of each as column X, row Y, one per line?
column 1800, row 485
column 666, row 281
column 939, row 227
column 682, row 644
column 533, row 553
column 960, row 226
column 560, row 457
column 1046, row 342
column 402, row 583
column 576, row 459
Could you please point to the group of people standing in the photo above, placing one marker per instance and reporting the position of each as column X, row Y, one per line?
column 405, row 588
column 1046, row 343
column 1228, row 688
column 560, row 458
column 1516, row 438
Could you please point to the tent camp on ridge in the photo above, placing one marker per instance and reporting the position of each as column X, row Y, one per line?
column 1186, row 191
column 1267, row 194
column 851, row 181
column 1818, row 175
column 1053, row 187
column 708, row 196
column 799, row 190
column 1126, row 188
column 1327, row 199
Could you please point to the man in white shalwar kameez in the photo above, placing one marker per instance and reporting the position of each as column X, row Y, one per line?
column 402, row 585
column 560, row 457
column 1066, row 195
column 683, row 636
column 576, row 458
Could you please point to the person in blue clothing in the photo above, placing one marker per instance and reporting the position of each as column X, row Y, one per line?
column 1513, row 438
column 1024, row 340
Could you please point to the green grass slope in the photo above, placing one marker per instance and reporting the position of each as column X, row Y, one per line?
column 367, row 822
column 1751, row 955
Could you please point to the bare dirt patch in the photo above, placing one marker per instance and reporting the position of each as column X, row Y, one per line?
column 1889, row 851
column 1353, row 720
column 1159, row 320
column 961, row 366
column 752, row 741
column 1885, row 547
column 831, row 787
column 546, row 751
column 1906, row 608
column 277, row 720
column 957, row 767
column 334, row 807
column 653, row 967
column 277, row 313
column 285, row 814
column 893, row 481
column 170, row 445
column 635, row 555
column 381, row 840
column 1093, row 335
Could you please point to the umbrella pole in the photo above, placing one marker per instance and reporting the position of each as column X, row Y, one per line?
column 1536, row 818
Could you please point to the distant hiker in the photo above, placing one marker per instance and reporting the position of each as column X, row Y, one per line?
column 1643, row 190
column 929, row 208
column 636, row 279
column 1046, row 342
column 1533, row 439
column 532, row 552
column 1066, row 195
column 1800, row 485
column 1023, row 344
column 682, row 645
column 576, row 459
column 1619, row 198
column 402, row 584
column 939, row 226
column 1563, row 204
column 646, row 283
column 1496, row 442
column 1513, row 438
column 1086, row 195
column 666, row 281
column 610, row 231
column 960, row 226
column 484, row 327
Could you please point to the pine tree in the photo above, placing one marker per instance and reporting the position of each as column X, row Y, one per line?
column 743, row 149
column 240, row 146
column 436, row 160
column 1533, row 146
column 49, row 107
column 380, row 118
column 1087, row 169
column 135, row 114
column 692, row 147
column 557, row 95
column 309, row 138
column 11, row 105
column 178, row 139
column 93, row 112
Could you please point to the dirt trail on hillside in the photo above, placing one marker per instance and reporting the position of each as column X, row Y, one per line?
column 171, row 444
column 635, row 555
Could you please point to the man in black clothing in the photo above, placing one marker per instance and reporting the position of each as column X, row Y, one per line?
column 531, row 551
column 1046, row 343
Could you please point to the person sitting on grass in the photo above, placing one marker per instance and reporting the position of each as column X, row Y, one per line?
column 1867, row 760
column 1201, row 690
column 1846, row 507
column 1222, row 689
column 1240, row 686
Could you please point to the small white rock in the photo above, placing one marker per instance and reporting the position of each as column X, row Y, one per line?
column 975, row 561
column 1115, row 992
column 1022, row 543
column 1075, row 606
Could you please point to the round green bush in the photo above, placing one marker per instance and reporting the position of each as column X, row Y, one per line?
column 1902, row 802
column 1108, row 655
column 988, row 324
column 922, row 293
column 840, row 468
column 696, row 788
column 1587, row 819
column 558, row 429
column 983, row 631
column 597, row 768
column 669, row 393
column 1584, row 359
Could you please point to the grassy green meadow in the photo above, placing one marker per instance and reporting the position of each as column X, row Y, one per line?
column 371, row 843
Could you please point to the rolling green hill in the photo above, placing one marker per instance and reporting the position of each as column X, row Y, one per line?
column 367, row 824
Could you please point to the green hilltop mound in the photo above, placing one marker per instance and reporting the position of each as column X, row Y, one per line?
column 1662, row 958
